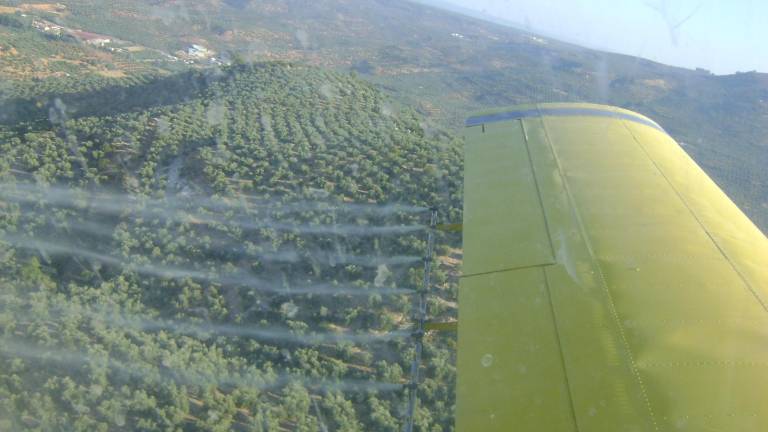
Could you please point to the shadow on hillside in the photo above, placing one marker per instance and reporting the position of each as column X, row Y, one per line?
column 41, row 111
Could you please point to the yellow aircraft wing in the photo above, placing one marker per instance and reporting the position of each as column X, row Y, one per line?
column 609, row 285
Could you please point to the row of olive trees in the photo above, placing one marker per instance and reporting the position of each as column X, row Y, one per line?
column 281, row 133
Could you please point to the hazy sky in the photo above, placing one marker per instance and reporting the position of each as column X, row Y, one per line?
column 721, row 35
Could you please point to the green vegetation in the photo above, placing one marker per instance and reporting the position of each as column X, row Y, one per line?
column 130, row 327
column 14, row 21
column 30, row 58
column 130, row 309
column 446, row 66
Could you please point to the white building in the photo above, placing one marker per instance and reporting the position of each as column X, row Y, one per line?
column 197, row 51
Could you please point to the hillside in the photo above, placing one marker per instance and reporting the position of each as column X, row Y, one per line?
column 218, row 256
column 212, row 211
column 447, row 65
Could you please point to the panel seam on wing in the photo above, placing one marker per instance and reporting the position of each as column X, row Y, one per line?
column 529, row 266
column 555, row 320
column 538, row 190
column 560, row 348
column 596, row 264
column 744, row 280
column 742, row 363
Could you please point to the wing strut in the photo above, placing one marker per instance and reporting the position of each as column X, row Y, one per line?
column 420, row 319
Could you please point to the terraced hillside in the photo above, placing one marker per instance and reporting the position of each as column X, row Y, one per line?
column 447, row 65
column 224, row 255
column 215, row 220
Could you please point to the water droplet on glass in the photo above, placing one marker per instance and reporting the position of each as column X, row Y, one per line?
column 382, row 274
column 120, row 418
column 289, row 309
column 486, row 360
